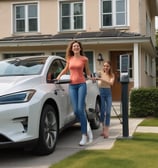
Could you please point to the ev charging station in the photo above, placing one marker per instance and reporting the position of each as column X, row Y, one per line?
column 124, row 79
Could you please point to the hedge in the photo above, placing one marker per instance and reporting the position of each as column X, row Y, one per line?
column 144, row 102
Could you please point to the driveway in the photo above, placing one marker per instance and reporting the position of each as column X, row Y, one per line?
column 66, row 146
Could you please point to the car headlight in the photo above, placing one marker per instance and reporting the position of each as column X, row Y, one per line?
column 18, row 97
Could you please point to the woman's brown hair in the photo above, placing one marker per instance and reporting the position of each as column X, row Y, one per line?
column 110, row 70
column 69, row 51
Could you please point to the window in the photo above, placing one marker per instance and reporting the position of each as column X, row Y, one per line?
column 146, row 64
column 25, row 17
column 11, row 55
column 114, row 13
column 130, row 65
column 26, row 66
column 89, row 55
column 71, row 15
column 54, row 70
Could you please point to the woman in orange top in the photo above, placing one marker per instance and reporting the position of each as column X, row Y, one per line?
column 76, row 63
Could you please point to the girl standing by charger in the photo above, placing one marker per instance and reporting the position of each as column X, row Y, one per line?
column 105, row 80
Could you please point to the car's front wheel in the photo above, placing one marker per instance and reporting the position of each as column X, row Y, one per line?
column 48, row 131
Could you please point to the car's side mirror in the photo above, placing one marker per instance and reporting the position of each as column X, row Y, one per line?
column 63, row 79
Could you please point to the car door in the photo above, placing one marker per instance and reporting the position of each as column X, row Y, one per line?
column 70, row 114
column 62, row 92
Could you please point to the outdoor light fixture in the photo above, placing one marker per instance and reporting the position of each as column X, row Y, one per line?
column 100, row 58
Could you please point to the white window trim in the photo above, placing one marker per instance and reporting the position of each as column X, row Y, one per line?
column 12, row 16
column 113, row 14
column 59, row 15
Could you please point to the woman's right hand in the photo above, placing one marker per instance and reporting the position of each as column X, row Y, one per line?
column 58, row 77
column 97, row 78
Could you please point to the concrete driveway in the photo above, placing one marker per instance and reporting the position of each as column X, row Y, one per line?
column 66, row 146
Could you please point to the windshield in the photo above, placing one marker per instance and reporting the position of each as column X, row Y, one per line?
column 22, row 66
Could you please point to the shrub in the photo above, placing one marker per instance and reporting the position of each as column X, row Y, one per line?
column 144, row 102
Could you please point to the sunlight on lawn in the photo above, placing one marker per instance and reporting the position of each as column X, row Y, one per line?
column 139, row 152
column 150, row 121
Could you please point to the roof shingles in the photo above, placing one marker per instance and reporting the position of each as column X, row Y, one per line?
column 76, row 35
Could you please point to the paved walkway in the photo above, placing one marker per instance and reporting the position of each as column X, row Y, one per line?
column 147, row 129
column 116, row 130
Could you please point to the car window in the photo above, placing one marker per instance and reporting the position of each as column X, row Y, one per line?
column 64, row 64
column 18, row 66
column 54, row 70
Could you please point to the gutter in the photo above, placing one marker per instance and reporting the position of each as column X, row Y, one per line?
column 145, row 40
column 89, row 41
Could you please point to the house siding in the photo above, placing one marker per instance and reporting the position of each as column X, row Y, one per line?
column 5, row 13
column 49, row 16
column 49, row 24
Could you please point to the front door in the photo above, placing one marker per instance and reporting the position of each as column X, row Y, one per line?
column 115, row 63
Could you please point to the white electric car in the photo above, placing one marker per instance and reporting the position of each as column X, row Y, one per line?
column 34, row 107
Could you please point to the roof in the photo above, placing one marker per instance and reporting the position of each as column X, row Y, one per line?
column 111, row 36
column 67, row 36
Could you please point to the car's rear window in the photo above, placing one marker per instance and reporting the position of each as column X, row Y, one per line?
column 22, row 66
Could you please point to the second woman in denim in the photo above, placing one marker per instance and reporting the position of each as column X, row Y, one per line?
column 105, row 81
column 76, row 63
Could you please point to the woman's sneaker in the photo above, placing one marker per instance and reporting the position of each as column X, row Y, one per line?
column 83, row 140
column 89, row 133
column 90, row 136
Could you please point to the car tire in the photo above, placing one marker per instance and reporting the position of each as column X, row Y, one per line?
column 48, row 131
column 95, row 122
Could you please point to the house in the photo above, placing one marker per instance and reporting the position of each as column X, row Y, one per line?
column 106, row 28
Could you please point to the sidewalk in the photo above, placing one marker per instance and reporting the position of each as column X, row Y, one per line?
column 147, row 129
column 115, row 132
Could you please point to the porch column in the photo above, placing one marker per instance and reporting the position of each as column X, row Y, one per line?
column 136, row 66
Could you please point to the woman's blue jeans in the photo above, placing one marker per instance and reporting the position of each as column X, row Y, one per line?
column 106, row 103
column 77, row 95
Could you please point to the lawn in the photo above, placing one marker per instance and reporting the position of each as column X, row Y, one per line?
column 139, row 152
column 149, row 122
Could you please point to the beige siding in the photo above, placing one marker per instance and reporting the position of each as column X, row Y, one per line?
column 49, row 17
column 134, row 16
column 49, row 24
column 5, row 19
column 92, row 15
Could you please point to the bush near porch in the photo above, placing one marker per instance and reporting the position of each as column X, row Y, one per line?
column 144, row 102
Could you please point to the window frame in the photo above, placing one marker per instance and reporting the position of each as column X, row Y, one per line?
column 26, row 18
column 130, row 70
column 113, row 14
column 71, row 25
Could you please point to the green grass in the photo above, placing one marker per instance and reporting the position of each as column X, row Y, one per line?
column 149, row 122
column 139, row 152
